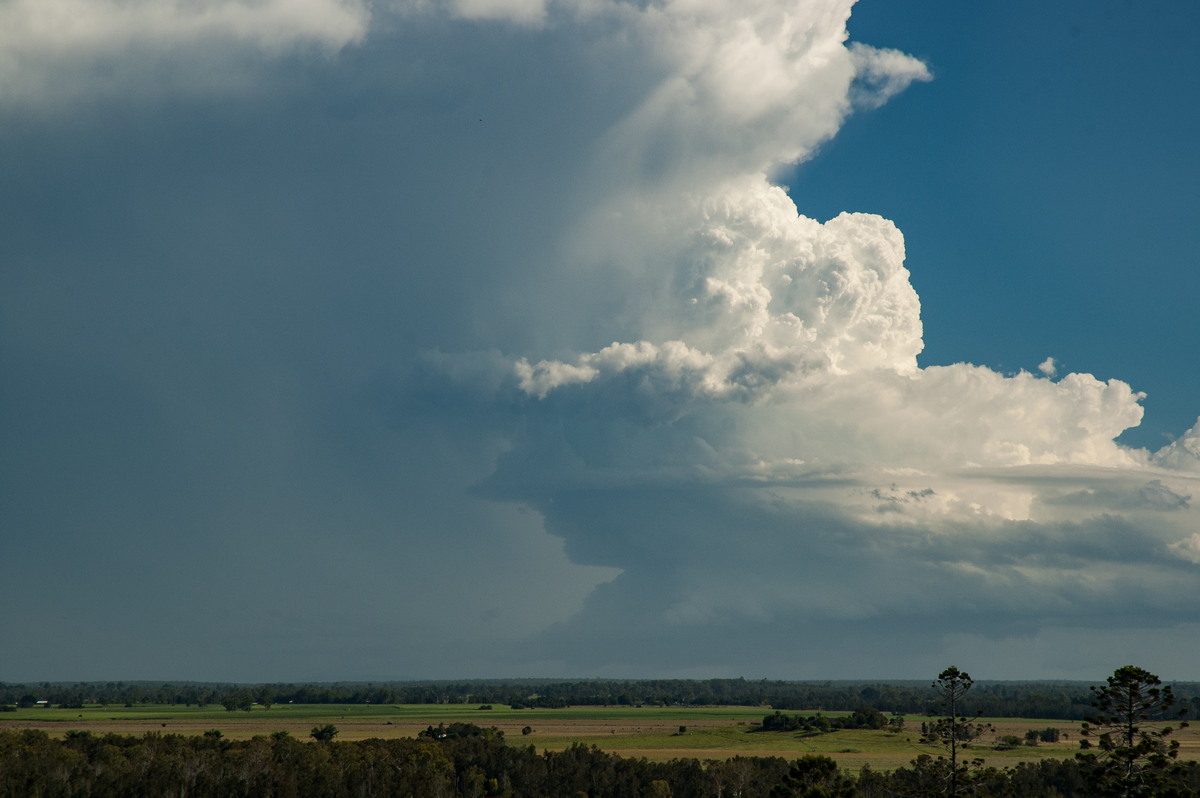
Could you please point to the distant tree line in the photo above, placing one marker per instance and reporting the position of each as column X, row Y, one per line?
column 1049, row 700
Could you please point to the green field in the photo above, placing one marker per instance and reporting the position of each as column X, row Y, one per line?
column 652, row 732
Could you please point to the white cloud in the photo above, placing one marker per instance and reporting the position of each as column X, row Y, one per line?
column 517, row 268
column 56, row 50
column 778, row 406
column 526, row 12
column 819, row 327
column 882, row 73
column 768, row 399
column 67, row 26
column 752, row 294
column 1182, row 454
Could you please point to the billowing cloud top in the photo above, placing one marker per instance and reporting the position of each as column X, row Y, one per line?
column 427, row 281
column 774, row 383
column 766, row 296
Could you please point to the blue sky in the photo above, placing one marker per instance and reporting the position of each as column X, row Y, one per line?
column 374, row 340
column 1045, row 184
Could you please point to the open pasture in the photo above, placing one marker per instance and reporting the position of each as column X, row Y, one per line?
column 651, row 732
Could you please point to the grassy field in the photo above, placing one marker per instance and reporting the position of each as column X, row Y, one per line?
column 652, row 732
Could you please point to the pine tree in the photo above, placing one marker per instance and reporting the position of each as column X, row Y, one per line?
column 1135, row 758
column 954, row 731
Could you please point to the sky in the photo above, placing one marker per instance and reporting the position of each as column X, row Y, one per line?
column 399, row 339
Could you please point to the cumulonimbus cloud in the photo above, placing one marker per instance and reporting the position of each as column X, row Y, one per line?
column 772, row 379
column 571, row 208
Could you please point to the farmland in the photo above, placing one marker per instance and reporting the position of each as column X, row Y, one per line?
column 651, row 732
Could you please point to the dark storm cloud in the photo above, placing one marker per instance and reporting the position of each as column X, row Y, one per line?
column 478, row 341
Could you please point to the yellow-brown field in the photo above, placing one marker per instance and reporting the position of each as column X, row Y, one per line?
column 652, row 732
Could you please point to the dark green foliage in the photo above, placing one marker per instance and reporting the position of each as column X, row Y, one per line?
column 862, row 718
column 239, row 700
column 33, row 765
column 1046, row 777
column 324, row 734
column 925, row 776
column 1008, row 742
column 265, row 697
column 458, row 731
column 868, row 718
column 1134, row 757
column 953, row 731
column 1049, row 735
column 814, row 776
